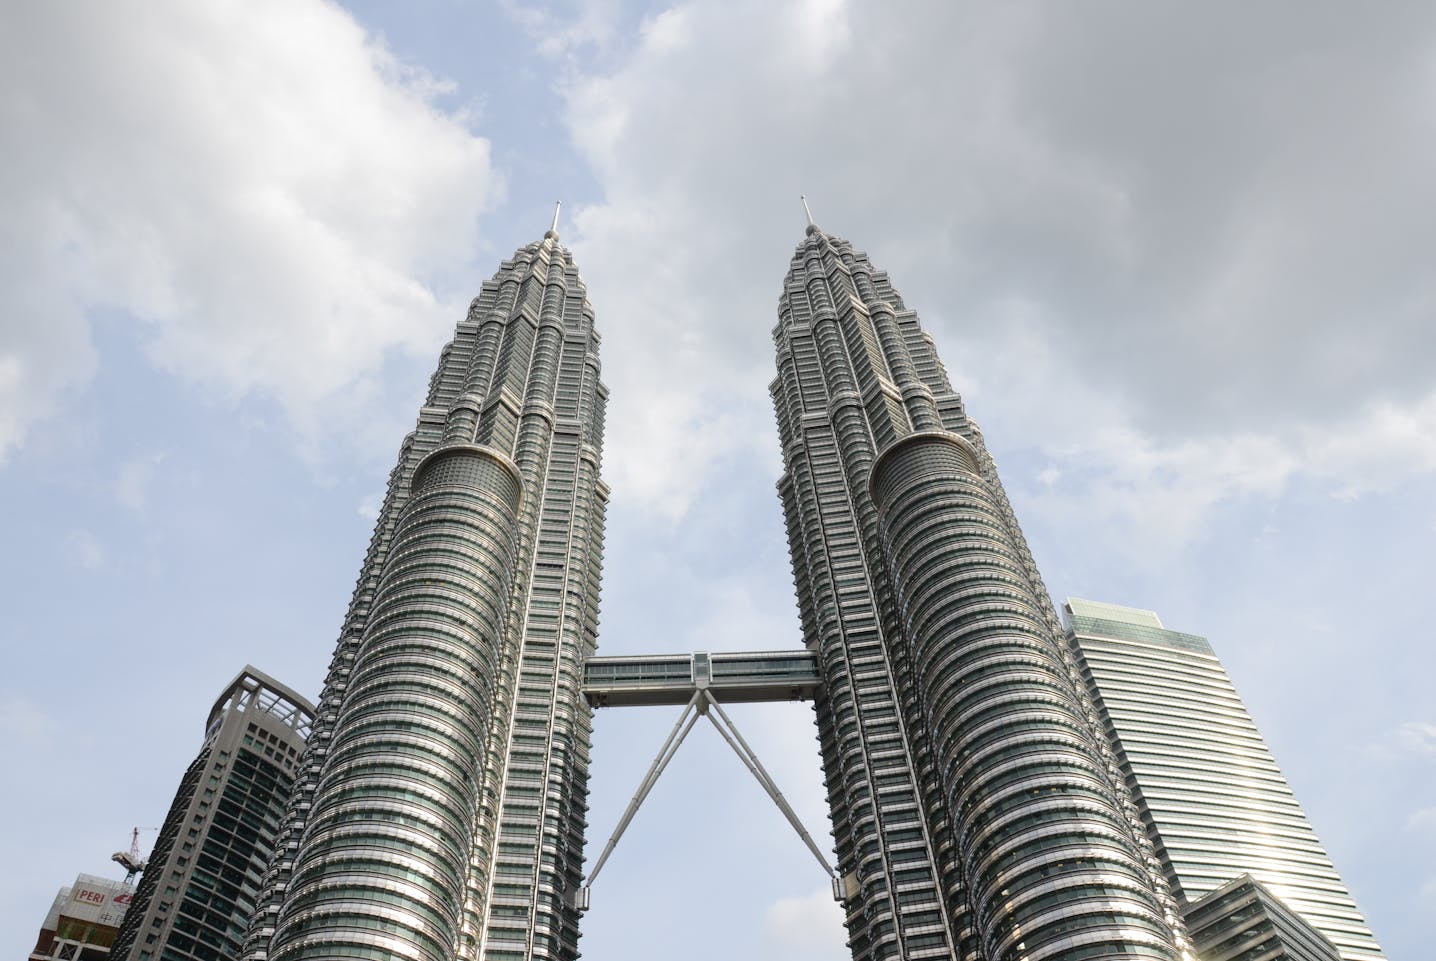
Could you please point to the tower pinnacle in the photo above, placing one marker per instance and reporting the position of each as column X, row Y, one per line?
column 553, row 227
column 811, row 226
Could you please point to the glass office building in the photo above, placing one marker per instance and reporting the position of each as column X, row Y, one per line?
column 1211, row 796
column 440, row 808
column 201, row 883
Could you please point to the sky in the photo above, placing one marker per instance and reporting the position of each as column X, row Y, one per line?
column 1177, row 258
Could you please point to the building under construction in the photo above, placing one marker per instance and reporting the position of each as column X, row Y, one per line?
column 84, row 920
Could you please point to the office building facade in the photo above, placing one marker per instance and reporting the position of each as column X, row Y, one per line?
column 201, row 883
column 440, row 810
column 1243, row 921
column 976, row 809
column 1211, row 797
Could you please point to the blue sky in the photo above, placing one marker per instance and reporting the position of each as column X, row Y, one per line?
column 1176, row 258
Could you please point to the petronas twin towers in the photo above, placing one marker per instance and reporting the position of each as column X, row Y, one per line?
column 976, row 807
column 978, row 810
column 440, row 808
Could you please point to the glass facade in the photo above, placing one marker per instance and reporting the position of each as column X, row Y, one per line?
column 673, row 678
column 203, row 877
column 1211, row 797
column 440, row 809
column 977, row 811
column 1242, row 921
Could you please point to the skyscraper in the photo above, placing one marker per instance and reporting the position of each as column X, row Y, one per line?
column 977, row 810
column 201, row 882
column 439, row 812
column 1210, row 794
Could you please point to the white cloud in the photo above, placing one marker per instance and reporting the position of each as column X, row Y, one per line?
column 563, row 30
column 1159, row 492
column 271, row 193
column 136, row 475
column 371, row 504
column 805, row 928
column 25, row 724
column 1225, row 280
column 1413, row 739
column 1422, row 821
column 84, row 549
column 1379, row 446
column 668, row 32
column 1409, row 741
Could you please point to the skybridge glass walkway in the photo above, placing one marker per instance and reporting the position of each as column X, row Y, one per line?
column 730, row 678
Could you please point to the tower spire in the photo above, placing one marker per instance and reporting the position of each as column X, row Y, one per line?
column 806, row 210
column 553, row 227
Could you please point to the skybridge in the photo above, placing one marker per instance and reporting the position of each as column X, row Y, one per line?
column 672, row 679
column 701, row 683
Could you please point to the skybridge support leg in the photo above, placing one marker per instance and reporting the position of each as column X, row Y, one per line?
column 703, row 703
column 686, row 720
column 750, row 760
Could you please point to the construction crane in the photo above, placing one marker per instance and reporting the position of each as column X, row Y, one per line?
column 130, row 860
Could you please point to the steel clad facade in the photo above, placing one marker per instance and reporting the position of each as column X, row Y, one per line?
column 976, row 807
column 441, row 806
